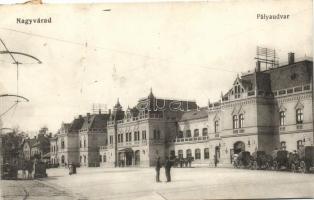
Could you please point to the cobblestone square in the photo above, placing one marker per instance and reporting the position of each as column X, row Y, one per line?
column 139, row 183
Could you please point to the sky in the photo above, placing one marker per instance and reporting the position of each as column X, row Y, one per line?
column 185, row 50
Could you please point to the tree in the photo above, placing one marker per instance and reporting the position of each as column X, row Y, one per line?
column 11, row 146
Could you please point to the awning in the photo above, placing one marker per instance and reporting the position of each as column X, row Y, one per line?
column 126, row 150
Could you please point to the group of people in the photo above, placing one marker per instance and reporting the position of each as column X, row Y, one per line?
column 167, row 165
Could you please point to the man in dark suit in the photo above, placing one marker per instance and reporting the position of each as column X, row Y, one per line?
column 168, row 165
column 158, row 166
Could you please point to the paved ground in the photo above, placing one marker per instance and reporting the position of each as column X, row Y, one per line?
column 188, row 183
column 31, row 189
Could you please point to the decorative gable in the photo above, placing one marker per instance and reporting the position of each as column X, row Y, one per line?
column 299, row 105
column 235, row 111
column 241, row 110
column 282, row 108
column 217, row 118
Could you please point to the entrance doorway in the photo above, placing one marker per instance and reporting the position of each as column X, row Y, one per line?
column 137, row 158
column 238, row 147
column 128, row 158
column 217, row 153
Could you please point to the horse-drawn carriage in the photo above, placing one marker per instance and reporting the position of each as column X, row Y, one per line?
column 9, row 172
column 40, row 169
column 183, row 162
column 303, row 160
column 260, row 160
column 242, row 160
column 280, row 160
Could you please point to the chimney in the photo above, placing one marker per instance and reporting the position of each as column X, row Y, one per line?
column 290, row 58
column 258, row 66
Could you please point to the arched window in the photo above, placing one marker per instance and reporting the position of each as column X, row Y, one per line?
column 235, row 121
column 299, row 116
column 188, row 153
column 197, row 154
column 241, row 120
column 282, row 116
column 180, row 153
column 206, row 153
column 205, row 132
column 62, row 159
column 180, row 134
column 188, row 133
column 196, row 133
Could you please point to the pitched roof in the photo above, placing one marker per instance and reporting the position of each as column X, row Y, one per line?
column 95, row 121
column 76, row 124
column 299, row 73
column 195, row 114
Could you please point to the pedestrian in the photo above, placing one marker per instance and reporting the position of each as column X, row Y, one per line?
column 158, row 166
column 30, row 169
column 167, row 169
column 215, row 160
column 24, row 168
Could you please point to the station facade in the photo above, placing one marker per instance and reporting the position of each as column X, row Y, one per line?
column 265, row 109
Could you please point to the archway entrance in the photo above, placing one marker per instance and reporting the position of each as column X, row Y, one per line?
column 137, row 157
column 125, row 157
column 238, row 147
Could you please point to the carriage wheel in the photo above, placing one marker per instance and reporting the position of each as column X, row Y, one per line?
column 275, row 165
column 267, row 166
column 303, row 167
column 255, row 165
column 293, row 168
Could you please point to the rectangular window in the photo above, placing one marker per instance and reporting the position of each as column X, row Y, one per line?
column 216, row 125
column 282, row 116
column 143, row 135
column 241, row 120
column 235, row 121
column 111, row 139
column 130, row 137
column 299, row 117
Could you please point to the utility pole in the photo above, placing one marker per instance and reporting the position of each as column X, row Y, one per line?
column 115, row 139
